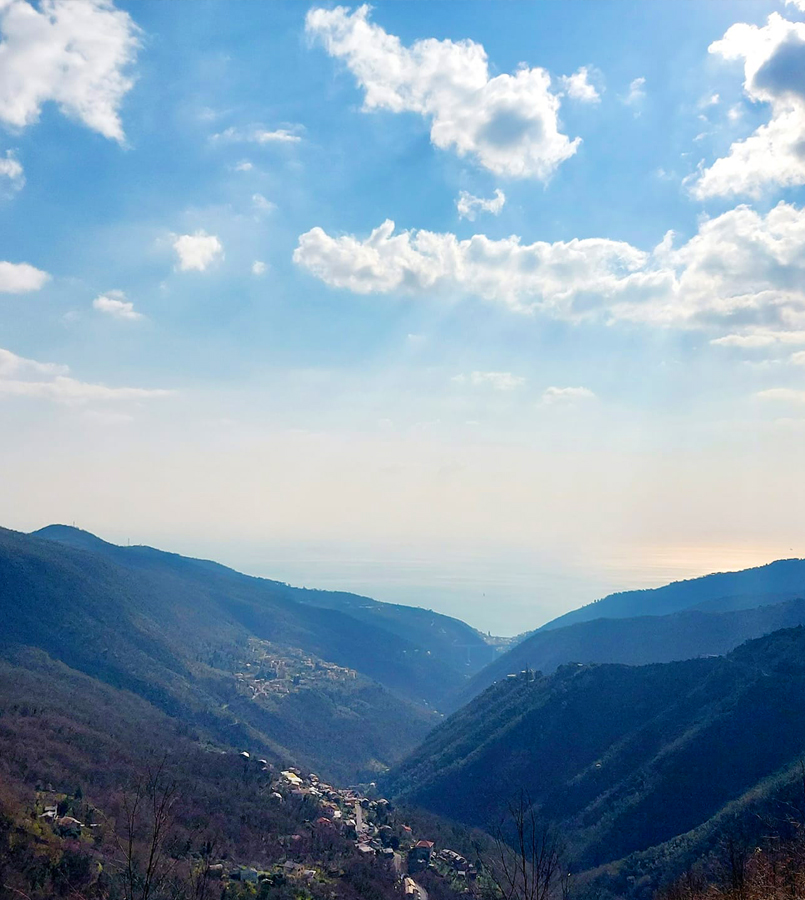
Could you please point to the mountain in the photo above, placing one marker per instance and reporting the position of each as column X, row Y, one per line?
column 621, row 758
column 444, row 637
column 449, row 640
column 240, row 657
column 720, row 592
column 636, row 641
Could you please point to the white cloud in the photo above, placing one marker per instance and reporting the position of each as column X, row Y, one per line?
column 741, row 267
column 259, row 267
column 709, row 100
column 637, row 93
column 553, row 396
column 258, row 135
column 758, row 338
column 197, row 251
column 797, row 4
column 20, row 367
column 243, row 166
column 787, row 395
column 499, row 381
column 507, row 123
column 114, row 303
column 20, row 278
column 773, row 155
column 74, row 54
column 260, row 203
column 578, row 86
column 469, row 205
column 11, row 168
column 21, row 377
column 798, row 358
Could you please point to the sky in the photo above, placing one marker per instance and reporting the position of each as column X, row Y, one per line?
column 487, row 307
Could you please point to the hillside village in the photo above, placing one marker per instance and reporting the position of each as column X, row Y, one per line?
column 269, row 669
column 334, row 817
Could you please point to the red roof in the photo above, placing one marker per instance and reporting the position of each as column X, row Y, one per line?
column 425, row 845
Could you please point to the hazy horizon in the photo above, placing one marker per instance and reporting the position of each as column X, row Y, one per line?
column 503, row 594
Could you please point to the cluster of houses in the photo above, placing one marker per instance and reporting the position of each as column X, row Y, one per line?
column 369, row 824
column 461, row 867
column 272, row 670
column 63, row 825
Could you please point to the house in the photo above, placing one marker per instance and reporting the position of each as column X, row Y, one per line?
column 67, row 826
column 366, row 850
column 419, row 855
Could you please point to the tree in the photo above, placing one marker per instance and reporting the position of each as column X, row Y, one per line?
column 148, row 826
column 527, row 863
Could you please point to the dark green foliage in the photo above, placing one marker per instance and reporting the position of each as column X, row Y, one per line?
column 637, row 641
column 621, row 758
column 175, row 631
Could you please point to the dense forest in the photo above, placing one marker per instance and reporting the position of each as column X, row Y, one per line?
column 625, row 760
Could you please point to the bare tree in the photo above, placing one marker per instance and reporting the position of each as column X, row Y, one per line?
column 528, row 857
column 148, row 826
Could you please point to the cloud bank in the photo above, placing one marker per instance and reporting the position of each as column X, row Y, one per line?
column 741, row 267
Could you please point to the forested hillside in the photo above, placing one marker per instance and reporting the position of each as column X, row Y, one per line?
column 636, row 641
column 621, row 758
column 781, row 580
column 211, row 647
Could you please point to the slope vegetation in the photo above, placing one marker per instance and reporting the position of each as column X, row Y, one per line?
column 235, row 655
column 637, row 641
column 722, row 591
column 621, row 758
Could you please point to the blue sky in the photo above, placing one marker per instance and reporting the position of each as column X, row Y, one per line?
column 522, row 394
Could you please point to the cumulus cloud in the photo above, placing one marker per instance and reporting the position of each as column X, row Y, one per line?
column 578, row 86
column 114, row 303
column 11, row 168
column 76, row 55
column 507, row 123
column 797, row 4
column 798, row 358
column 554, row 396
column 774, row 154
column 468, row 205
column 499, row 381
column 257, row 135
column 197, row 251
column 21, row 278
column 637, row 93
column 21, row 377
column 741, row 267
column 259, row 267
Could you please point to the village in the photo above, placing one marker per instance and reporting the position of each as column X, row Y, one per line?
column 271, row 670
column 369, row 823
